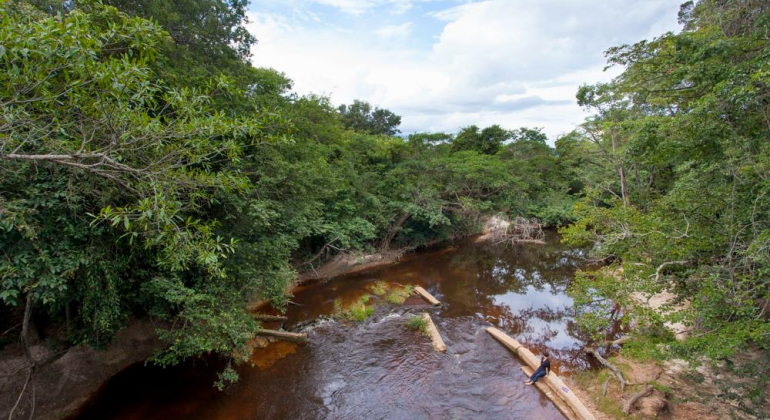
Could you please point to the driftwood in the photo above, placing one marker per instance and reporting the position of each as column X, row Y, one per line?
column 521, row 230
column 432, row 331
column 634, row 398
column 284, row 335
column 557, row 401
column 263, row 317
column 609, row 366
column 427, row 296
column 553, row 380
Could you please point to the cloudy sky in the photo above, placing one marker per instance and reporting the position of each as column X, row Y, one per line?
column 444, row 64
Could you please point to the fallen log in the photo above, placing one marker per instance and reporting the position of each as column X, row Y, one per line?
column 284, row 335
column 432, row 331
column 552, row 380
column 556, row 400
column 427, row 296
column 269, row 318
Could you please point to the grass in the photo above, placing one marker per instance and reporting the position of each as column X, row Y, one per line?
column 592, row 382
column 357, row 311
column 360, row 312
column 362, row 308
column 379, row 288
column 398, row 296
column 417, row 323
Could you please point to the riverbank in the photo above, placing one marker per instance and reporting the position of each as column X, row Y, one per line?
column 358, row 262
column 680, row 390
column 65, row 379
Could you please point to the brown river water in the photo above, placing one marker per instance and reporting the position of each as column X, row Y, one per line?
column 379, row 369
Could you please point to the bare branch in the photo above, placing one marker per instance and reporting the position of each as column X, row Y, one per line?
column 664, row 265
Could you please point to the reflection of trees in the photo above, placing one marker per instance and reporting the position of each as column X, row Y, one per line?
column 539, row 341
column 522, row 320
column 513, row 268
column 548, row 314
column 480, row 273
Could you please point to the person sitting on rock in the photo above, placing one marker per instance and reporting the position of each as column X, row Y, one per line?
column 543, row 370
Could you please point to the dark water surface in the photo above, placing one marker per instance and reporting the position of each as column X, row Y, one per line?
column 379, row 369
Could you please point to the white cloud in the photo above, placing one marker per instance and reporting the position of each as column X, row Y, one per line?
column 395, row 31
column 509, row 62
column 268, row 28
column 353, row 7
column 358, row 7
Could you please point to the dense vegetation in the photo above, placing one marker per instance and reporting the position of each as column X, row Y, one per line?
column 148, row 170
column 678, row 154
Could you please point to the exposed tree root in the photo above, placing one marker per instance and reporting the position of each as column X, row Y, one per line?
column 634, row 398
column 609, row 366
column 23, row 390
column 27, row 354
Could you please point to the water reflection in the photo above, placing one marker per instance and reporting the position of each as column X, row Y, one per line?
column 379, row 369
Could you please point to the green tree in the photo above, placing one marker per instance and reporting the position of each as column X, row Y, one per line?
column 361, row 116
column 108, row 178
column 684, row 129
column 487, row 141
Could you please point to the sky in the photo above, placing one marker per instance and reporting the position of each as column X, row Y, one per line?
column 447, row 64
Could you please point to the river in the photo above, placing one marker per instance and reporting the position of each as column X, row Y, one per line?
column 379, row 369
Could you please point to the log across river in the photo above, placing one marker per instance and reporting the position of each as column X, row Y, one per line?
column 379, row 368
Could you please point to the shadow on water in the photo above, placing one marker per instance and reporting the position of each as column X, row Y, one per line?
column 379, row 369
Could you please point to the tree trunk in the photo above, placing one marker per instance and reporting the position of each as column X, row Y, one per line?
column 552, row 379
column 25, row 341
column 615, row 327
column 622, row 173
column 394, row 230
column 284, row 335
column 269, row 318
column 555, row 399
column 427, row 296
column 624, row 186
column 432, row 331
